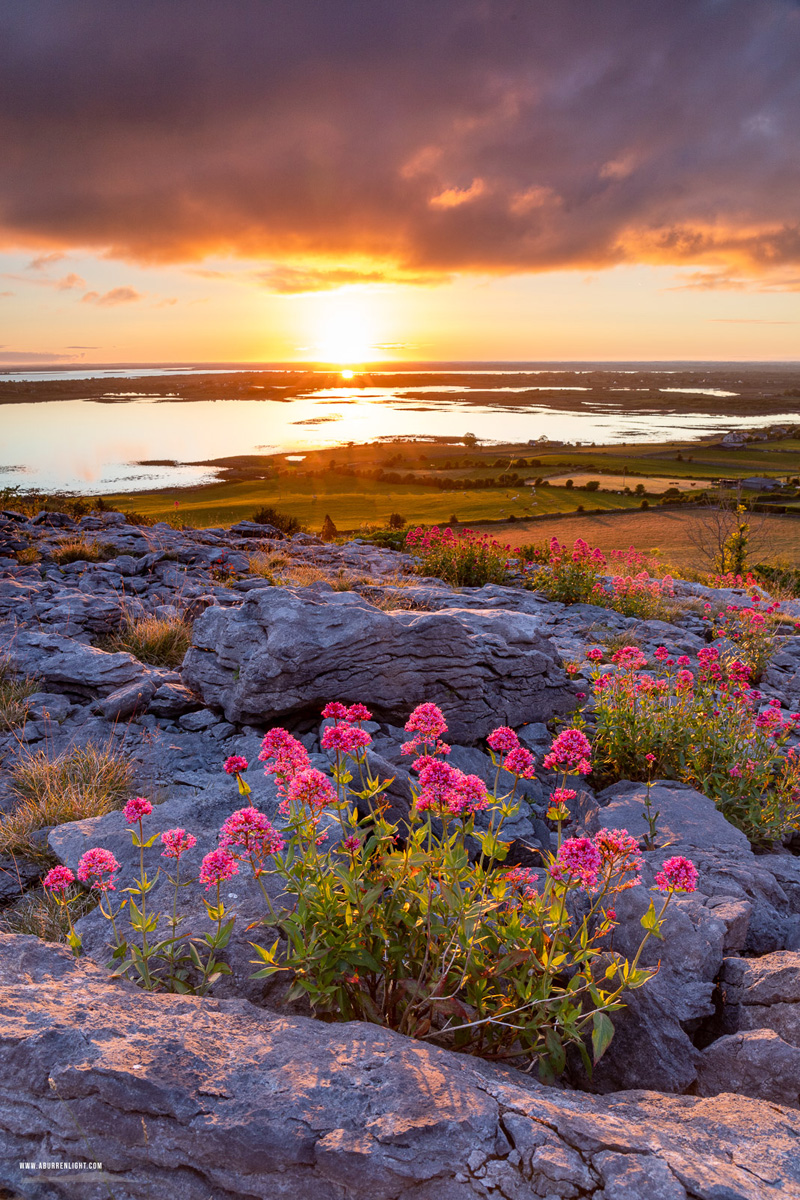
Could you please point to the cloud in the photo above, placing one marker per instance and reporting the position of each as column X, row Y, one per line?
column 6, row 293
column 466, row 135
column 117, row 295
column 44, row 260
column 28, row 356
column 67, row 282
column 289, row 280
column 83, row 347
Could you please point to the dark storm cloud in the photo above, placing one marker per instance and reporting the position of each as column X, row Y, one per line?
column 432, row 135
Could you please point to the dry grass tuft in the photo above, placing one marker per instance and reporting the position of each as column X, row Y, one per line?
column 159, row 641
column 39, row 914
column 14, row 694
column 267, row 564
column 80, row 549
column 29, row 555
column 84, row 781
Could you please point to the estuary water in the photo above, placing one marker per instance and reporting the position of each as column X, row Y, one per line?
column 128, row 439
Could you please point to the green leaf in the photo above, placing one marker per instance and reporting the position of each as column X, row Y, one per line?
column 602, row 1033
column 651, row 923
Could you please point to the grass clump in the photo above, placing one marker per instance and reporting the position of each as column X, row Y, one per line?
column 81, row 782
column 40, row 914
column 158, row 641
column 80, row 549
column 28, row 555
column 14, row 695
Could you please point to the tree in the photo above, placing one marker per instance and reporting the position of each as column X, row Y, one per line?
column 396, row 521
column 727, row 534
column 592, row 485
column 570, row 483
column 329, row 530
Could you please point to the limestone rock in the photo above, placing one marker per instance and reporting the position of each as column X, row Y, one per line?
column 72, row 666
column 194, row 1099
column 287, row 651
column 757, row 1063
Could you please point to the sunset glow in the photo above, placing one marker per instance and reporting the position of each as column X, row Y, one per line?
column 295, row 185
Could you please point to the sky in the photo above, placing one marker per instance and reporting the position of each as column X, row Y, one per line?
column 280, row 180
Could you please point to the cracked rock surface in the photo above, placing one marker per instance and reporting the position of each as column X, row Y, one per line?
column 210, row 1100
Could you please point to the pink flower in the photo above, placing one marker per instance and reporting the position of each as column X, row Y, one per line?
column 284, row 756
column 684, row 660
column 677, row 875
column 347, row 739
column 352, row 844
column 578, row 859
column 312, row 789
column 503, row 739
column 468, row 795
column 571, row 750
column 176, row 842
column 97, row 868
column 335, row 710
column 620, row 852
column 358, row 712
column 630, row 658
column 428, row 721
column 218, row 866
column 446, row 790
column 651, row 758
column 137, row 808
column 235, row 764
column 594, row 655
column 520, row 762
column 661, row 654
column 562, row 795
column 58, row 879
column 252, row 830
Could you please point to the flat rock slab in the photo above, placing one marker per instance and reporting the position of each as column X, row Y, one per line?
column 198, row 1099
column 288, row 651
column 73, row 666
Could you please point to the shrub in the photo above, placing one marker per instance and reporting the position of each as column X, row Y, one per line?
column 329, row 531
column 80, row 782
column 405, row 927
column 635, row 595
column 464, row 559
column 159, row 641
column 568, row 576
column 14, row 694
column 281, row 521
column 80, row 549
column 592, row 485
column 704, row 730
column 396, row 521
column 752, row 630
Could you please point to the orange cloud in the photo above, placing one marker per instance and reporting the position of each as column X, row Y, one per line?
column 117, row 295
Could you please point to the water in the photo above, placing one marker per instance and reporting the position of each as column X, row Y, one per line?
column 140, row 440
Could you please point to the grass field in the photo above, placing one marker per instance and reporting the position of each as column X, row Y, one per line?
column 776, row 539
column 352, row 502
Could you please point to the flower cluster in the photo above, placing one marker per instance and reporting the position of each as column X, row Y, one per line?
column 58, row 879
column 218, row 866
column 677, row 875
column 571, row 752
column 449, row 792
column 463, row 558
column 235, row 764
column 97, row 868
column 137, row 808
column 251, row 831
column 635, row 595
column 176, row 842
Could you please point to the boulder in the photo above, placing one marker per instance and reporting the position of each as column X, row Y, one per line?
column 731, row 876
column 288, row 651
column 72, row 666
column 188, row 1098
column 757, row 1063
column 763, row 993
column 126, row 701
column 173, row 700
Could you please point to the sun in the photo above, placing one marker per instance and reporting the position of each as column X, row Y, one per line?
column 345, row 331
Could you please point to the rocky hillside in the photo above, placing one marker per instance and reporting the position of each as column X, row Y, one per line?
column 236, row 1095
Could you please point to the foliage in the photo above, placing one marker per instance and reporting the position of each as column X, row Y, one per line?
column 80, row 782
column 405, row 925
column 329, row 531
column 635, row 595
column 159, row 641
column 752, row 630
column 464, row 559
column 704, row 729
column 567, row 576
column 396, row 521
column 282, row 521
